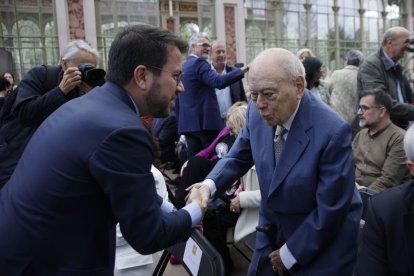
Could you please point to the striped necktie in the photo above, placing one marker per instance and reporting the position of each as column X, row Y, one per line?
column 279, row 140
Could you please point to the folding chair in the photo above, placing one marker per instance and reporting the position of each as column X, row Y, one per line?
column 211, row 261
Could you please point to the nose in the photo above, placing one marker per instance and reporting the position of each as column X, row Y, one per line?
column 180, row 87
column 260, row 103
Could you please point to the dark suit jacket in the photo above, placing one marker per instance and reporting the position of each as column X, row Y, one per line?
column 310, row 196
column 388, row 239
column 377, row 71
column 198, row 106
column 86, row 167
column 237, row 92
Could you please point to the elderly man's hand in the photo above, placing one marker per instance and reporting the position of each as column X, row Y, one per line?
column 72, row 77
column 203, row 189
column 276, row 262
column 196, row 195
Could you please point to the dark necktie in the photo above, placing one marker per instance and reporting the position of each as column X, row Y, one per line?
column 279, row 140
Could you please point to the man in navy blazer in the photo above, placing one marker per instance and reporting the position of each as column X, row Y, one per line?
column 88, row 166
column 199, row 114
column 309, row 201
column 388, row 240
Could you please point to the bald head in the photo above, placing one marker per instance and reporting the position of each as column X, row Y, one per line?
column 276, row 60
column 395, row 41
column 218, row 55
column 277, row 83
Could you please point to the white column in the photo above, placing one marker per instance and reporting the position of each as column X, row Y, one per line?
column 240, row 26
column 90, row 22
column 62, row 23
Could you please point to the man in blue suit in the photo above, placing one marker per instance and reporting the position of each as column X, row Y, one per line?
column 199, row 116
column 309, row 201
column 88, row 166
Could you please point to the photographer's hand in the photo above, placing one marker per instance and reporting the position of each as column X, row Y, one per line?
column 72, row 77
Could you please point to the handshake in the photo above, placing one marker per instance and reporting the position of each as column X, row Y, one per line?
column 200, row 194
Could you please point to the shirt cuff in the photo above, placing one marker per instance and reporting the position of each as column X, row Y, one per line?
column 167, row 207
column 286, row 256
column 211, row 185
column 195, row 213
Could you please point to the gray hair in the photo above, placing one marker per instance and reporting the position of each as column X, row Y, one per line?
column 75, row 46
column 295, row 68
column 392, row 33
column 194, row 38
column 409, row 143
column 354, row 57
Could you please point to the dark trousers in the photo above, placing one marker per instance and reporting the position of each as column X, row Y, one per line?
column 197, row 141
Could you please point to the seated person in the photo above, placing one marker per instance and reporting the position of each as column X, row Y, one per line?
column 197, row 167
column 247, row 203
column 388, row 244
column 378, row 149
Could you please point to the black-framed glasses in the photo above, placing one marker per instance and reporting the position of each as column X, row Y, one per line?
column 175, row 75
column 365, row 108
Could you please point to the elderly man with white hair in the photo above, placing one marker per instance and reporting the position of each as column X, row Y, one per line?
column 43, row 90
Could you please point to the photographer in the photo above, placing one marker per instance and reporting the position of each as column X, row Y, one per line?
column 43, row 89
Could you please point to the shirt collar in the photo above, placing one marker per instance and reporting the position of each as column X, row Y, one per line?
column 135, row 106
column 387, row 57
column 288, row 123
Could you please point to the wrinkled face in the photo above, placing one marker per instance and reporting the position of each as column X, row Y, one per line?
column 218, row 54
column 201, row 48
column 79, row 58
column 396, row 47
column 164, row 90
column 275, row 95
column 9, row 77
column 369, row 113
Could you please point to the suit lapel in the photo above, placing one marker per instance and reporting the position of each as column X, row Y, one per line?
column 296, row 143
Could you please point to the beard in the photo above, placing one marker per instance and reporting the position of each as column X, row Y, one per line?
column 362, row 123
column 156, row 104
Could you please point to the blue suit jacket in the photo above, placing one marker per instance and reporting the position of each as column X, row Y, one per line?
column 198, row 106
column 388, row 240
column 86, row 167
column 310, row 196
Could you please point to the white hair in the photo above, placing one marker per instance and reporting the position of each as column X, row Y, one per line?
column 75, row 46
column 409, row 143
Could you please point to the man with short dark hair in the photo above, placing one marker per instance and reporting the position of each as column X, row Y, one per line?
column 342, row 86
column 88, row 166
column 383, row 69
column 388, row 244
column 378, row 149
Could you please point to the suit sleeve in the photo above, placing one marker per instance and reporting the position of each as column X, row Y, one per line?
column 122, row 166
column 210, row 78
column 34, row 103
column 373, row 256
column 334, row 192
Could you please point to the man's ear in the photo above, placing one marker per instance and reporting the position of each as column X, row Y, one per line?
column 140, row 76
column 300, row 85
column 64, row 64
column 410, row 166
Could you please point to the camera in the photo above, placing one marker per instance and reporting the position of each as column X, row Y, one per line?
column 91, row 75
column 411, row 47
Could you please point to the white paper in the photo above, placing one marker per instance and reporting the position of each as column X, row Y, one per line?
column 192, row 256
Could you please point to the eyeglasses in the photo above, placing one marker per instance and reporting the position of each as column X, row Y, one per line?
column 365, row 108
column 175, row 75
